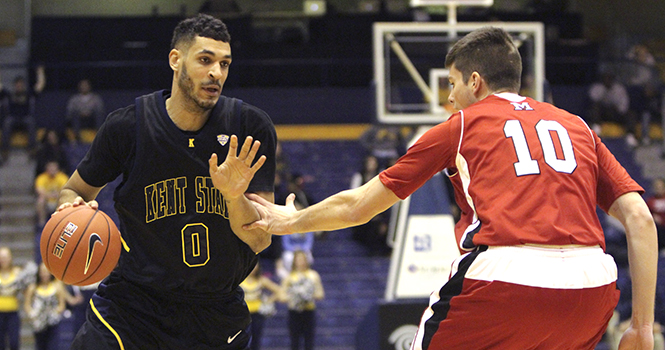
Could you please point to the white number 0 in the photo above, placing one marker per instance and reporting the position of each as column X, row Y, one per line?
column 526, row 165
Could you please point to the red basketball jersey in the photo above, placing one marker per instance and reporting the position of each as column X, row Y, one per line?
column 529, row 172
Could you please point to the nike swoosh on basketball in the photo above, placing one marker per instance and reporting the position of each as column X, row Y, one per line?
column 92, row 239
column 233, row 337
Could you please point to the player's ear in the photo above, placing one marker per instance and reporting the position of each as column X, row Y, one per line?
column 175, row 57
column 475, row 81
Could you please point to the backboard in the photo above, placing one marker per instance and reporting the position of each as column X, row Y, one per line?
column 411, row 80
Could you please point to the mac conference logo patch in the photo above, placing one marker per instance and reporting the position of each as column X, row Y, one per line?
column 222, row 139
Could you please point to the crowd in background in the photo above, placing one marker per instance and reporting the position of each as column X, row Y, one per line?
column 629, row 93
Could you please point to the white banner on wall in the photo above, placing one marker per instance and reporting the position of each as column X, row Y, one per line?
column 427, row 253
column 425, row 245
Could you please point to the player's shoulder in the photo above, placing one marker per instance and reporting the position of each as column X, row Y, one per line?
column 251, row 111
column 121, row 119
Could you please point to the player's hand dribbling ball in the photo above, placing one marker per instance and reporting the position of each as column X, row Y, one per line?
column 80, row 245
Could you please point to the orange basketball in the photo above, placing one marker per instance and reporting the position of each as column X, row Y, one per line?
column 80, row 245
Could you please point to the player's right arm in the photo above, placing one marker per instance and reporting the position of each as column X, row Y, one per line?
column 77, row 192
column 642, row 240
column 433, row 152
column 344, row 209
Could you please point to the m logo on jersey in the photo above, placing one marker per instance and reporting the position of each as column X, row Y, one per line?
column 524, row 106
column 222, row 139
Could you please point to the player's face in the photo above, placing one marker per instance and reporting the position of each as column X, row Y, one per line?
column 461, row 92
column 204, row 69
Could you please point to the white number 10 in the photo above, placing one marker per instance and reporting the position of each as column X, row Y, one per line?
column 526, row 165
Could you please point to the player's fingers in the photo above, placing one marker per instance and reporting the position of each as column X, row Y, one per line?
column 256, row 225
column 246, row 146
column 212, row 162
column 233, row 147
column 93, row 204
column 78, row 201
column 255, row 198
column 61, row 207
column 259, row 163
column 253, row 151
column 290, row 199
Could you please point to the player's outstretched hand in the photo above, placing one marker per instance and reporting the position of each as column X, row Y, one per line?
column 274, row 218
column 234, row 175
column 78, row 201
column 637, row 339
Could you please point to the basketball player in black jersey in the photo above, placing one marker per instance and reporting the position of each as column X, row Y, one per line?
column 181, row 212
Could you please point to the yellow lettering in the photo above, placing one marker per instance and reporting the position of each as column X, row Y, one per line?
column 200, row 194
column 161, row 199
column 150, row 203
column 181, row 185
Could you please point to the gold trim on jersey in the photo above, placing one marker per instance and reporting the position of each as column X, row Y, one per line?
column 117, row 337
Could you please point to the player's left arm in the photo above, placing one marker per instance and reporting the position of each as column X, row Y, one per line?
column 242, row 212
column 232, row 178
column 642, row 240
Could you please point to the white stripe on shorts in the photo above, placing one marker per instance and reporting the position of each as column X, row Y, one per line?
column 565, row 268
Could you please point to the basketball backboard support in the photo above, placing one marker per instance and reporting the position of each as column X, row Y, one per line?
column 409, row 70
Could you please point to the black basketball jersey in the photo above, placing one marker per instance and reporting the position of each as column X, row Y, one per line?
column 172, row 217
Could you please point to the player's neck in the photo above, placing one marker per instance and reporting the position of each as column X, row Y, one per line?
column 186, row 119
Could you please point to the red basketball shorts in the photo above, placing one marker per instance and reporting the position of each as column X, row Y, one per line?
column 522, row 298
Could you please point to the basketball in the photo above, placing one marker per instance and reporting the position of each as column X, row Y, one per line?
column 80, row 245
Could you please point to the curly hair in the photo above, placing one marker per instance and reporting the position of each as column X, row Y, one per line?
column 201, row 25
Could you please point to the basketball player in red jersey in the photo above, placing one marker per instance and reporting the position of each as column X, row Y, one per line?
column 536, row 275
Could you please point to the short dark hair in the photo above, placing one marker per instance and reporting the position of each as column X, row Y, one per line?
column 491, row 52
column 201, row 25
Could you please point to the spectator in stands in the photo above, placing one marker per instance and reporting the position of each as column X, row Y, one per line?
column 369, row 169
column 51, row 148
column 644, row 87
column 610, row 103
column 296, row 184
column 85, row 109
column 656, row 203
column 283, row 174
column 79, row 302
column 20, row 110
column 303, row 288
column 282, row 165
column 13, row 281
column 384, row 142
column 44, row 303
column 372, row 234
column 297, row 242
column 47, row 186
column 260, row 296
